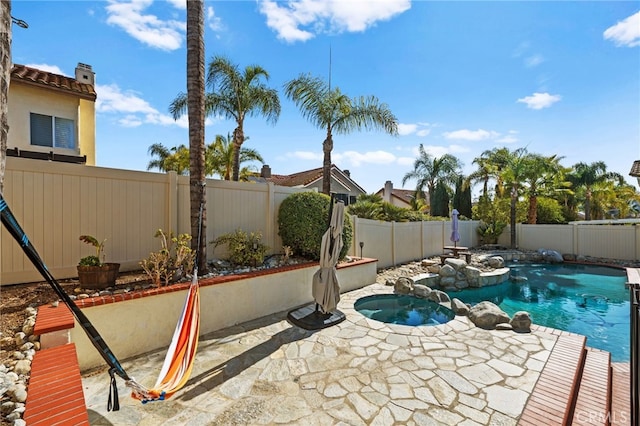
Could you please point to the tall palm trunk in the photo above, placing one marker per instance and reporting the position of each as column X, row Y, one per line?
column 195, row 102
column 238, row 138
column 532, row 217
column 5, row 78
column 587, row 204
column 512, row 215
column 327, row 147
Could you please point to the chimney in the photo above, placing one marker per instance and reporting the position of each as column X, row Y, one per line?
column 84, row 74
column 347, row 173
column 266, row 171
column 388, row 189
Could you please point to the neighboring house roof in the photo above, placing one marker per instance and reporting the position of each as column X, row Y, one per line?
column 404, row 195
column 52, row 81
column 308, row 177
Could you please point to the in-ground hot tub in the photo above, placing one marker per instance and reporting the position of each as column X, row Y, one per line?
column 403, row 309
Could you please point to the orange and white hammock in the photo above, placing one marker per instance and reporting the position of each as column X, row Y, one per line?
column 181, row 353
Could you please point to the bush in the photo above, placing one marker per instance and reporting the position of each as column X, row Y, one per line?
column 174, row 259
column 303, row 220
column 244, row 249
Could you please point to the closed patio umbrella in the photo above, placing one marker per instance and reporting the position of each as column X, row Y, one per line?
column 325, row 287
column 455, row 234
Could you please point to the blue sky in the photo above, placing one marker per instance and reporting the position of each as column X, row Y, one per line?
column 461, row 77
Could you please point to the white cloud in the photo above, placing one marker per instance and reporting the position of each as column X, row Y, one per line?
column 471, row 135
column 419, row 129
column 149, row 29
column 625, row 32
column 534, row 60
column 214, row 22
column 509, row 138
column 46, row 67
column 300, row 20
column 354, row 158
column 540, row 100
column 112, row 100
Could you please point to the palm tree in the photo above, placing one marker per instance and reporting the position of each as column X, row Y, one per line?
column 540, row 175
column 195, row 99
column 330, row 109
column 236, row 95
column 428, row 171
column 5, row 77
column 513, row 174
column 169, row 159
column 586, row 176
column 220, row 156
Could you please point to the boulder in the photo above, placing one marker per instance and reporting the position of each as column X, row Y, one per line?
column 459, row 307
column 439, row 296
column 403, row 285
column 448, row 282
column 496, row 262
column 521, row 322
column 487, row 315
column 447, row 271
column 456, row 263
column 421, row 291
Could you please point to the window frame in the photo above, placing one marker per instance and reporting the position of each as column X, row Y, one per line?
column 60, row 126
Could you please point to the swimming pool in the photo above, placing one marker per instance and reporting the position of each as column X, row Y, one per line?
column 584, row 299
column 403, row 309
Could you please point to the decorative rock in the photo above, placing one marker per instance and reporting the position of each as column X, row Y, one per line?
column 504, row 326
column 458, row 307
column 389, row 283
column 473, row 275
column 487, row 315
column 521, row 322
column 447, row 271
column 461, row 284
column 434, row 269
column 496, row 262
column 448, row 283
column 19, row 338
column 457, row 264
column 439, row 296
column 569, row 257
column 426, row 263
column 19, row 393
column 23, row 366
column 403, row 285
column 421, row 291
column 27, row 327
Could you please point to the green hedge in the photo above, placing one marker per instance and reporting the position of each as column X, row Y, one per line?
column 303, row 219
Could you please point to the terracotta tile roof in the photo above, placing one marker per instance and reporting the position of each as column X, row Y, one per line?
column 53, row 81
column 297, row 179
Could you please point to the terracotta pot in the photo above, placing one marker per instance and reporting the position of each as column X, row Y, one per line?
column 98, row 277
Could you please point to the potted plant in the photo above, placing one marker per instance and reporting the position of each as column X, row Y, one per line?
column 93, row 273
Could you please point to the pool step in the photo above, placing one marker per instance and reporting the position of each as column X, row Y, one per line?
column 575, row 387
column 593, row 400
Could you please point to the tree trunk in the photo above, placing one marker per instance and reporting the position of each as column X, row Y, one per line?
column 238, row 138
column 512, row 215
column 532, row 217
column 587, row 205
column 327, row 147
column 5, row 78
column 195, row 103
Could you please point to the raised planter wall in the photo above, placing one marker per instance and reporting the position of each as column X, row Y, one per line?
column 134, row 326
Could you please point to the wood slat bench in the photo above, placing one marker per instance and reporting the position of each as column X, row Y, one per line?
column 54, row 394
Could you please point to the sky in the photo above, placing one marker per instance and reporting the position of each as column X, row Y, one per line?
column 559, row 78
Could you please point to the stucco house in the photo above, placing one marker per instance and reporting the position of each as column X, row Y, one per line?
column 51, row 116
column 398, row 197
column 346, row 189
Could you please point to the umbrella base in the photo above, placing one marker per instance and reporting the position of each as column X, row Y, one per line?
column 309, row 318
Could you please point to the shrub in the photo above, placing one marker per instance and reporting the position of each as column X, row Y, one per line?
column 303, row 220
column 244, row 249
column 174, row 259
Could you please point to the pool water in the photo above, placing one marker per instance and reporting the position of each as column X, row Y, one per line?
column 403, row 309
column 583, row 299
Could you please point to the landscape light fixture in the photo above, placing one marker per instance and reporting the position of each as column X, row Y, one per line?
column 361, row 246
column 635, row 170
column 19, row 22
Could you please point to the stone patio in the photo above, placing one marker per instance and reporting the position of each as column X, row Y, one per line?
column 360, row 372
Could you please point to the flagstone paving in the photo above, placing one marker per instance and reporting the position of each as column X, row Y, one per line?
column 359, row 372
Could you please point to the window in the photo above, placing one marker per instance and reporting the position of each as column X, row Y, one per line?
column 54, row 132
